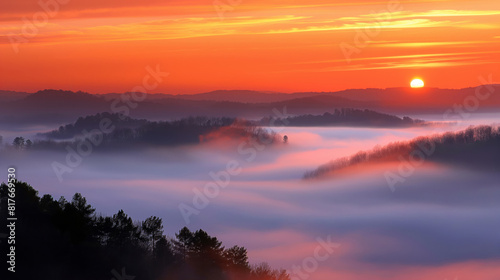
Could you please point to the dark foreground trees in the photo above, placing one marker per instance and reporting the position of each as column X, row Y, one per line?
column 60, row 239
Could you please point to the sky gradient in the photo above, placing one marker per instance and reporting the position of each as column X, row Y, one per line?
column 288, row 46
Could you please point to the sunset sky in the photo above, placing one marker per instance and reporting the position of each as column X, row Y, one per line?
column 283, row 45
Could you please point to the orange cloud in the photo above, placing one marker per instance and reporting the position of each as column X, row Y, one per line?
column 102, row 46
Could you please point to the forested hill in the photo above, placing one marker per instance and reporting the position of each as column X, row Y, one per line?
column 475, row 148
column 92, row 122
column 126, row 132
column 60, row 239
column 345, row 117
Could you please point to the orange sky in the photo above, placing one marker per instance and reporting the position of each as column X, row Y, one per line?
column 284, row 45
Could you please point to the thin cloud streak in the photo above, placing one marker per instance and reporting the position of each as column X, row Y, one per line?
column 181, row 28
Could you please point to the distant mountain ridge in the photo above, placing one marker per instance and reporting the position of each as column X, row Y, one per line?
column 61, row 97
column 59, row 106
column 367, row 94
column 50, row 107
column 7, row 95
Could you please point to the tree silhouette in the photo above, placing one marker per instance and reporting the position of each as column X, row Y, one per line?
column 237, row 260
column 263, row 271
column 18, row 142
column 28, row 144
column 153, row 229
column 183, row 242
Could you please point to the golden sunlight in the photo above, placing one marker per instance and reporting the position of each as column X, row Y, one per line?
column 417, row 83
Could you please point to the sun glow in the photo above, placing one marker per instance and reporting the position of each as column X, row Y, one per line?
column 417, row 83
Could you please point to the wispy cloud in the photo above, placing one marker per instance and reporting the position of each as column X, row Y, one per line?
column 428, row 44
column 128, row 27
column 165, row 29
column 413, row 23
column 429, row 60
column 428, row 14
column 401, row 57
column 414, row 63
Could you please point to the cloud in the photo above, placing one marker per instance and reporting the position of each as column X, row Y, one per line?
column 411, row 61
column 429, row 44
column 164, row 29
column 180, row 22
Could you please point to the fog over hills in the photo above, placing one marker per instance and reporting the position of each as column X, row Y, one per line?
column 475, row 148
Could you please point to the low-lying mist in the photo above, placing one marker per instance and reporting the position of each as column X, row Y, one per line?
column 476, row 147
column 441, row 221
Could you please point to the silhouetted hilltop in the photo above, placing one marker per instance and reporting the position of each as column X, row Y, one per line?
column 50, row 98
column 476, row 147
column 8, row 96
column 60, row 239
column 344, row 117
column 57, row 106
column 389, row 97
column 304, row 105
column 127, row 132
column 50, row 106
column 241, row 96
column 92, row 122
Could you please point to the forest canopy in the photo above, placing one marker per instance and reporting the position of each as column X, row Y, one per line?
column 61, row 239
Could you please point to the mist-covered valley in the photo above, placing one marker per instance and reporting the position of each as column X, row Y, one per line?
column 418, row 219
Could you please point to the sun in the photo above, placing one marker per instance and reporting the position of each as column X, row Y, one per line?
column 417, row 83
